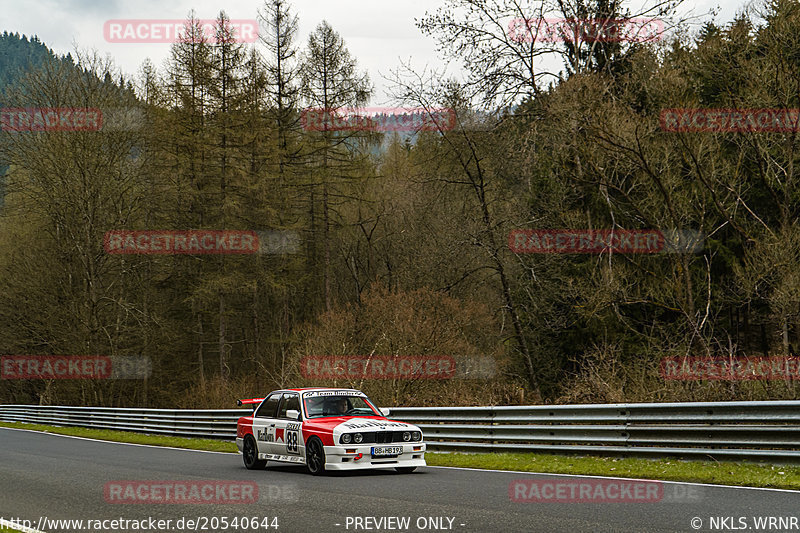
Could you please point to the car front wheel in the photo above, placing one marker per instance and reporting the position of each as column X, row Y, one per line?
column 250, row 454
column 315, row 457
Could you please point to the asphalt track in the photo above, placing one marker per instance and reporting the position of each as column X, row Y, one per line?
column 57, row 477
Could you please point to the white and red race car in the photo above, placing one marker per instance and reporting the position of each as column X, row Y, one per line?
column 326, row 429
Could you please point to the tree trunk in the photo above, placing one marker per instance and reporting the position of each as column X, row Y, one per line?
column 223, row 359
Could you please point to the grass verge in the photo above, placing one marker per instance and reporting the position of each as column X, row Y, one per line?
column 721, row 473
column 5, row 526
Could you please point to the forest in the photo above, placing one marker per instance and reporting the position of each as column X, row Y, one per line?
column 402, row 244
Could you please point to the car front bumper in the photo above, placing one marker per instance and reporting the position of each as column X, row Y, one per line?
column 347, row 457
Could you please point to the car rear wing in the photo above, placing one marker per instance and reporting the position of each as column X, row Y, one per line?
column 252, row 402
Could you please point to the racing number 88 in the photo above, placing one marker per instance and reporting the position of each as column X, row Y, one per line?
column 291, row 441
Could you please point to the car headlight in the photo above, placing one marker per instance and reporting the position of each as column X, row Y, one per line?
column 407, row 436
column 416, row 435
column 358, row 437
column 346, row 438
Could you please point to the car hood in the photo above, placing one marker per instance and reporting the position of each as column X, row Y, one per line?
column 347, row 424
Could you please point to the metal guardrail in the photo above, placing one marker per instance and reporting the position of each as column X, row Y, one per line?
column 204, row 423
column 742, row 430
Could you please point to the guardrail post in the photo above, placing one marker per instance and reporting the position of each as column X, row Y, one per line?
column 492, row 423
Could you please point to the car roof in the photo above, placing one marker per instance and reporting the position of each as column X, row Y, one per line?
column 307, row 389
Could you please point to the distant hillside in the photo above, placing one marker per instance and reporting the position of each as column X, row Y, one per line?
column 18, row 54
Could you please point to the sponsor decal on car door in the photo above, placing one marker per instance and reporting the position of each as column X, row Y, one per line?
column 293, row 438
column 264, row 424
column 288, row 437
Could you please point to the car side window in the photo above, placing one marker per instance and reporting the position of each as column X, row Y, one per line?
column 290, row 401
column 268, row 408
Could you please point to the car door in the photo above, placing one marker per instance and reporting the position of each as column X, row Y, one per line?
column 264, row 423
column 288, row 437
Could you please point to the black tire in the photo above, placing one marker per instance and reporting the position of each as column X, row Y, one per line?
column 315, row 457
column 405, row 469
column 250, row 455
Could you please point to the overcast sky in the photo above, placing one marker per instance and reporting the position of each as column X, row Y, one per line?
column 378, row 33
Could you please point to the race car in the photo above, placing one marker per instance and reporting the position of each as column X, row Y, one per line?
column 325, row 430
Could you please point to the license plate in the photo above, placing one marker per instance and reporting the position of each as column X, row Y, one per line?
column 386, row 451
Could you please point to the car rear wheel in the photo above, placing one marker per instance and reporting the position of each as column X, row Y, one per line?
column 315, row 457
column 250, row 454
column 406, row 469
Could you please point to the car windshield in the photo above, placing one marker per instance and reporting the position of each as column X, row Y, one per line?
column 343, row 405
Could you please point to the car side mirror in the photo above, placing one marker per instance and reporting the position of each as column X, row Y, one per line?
column 293, row 414
column 385, row 411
